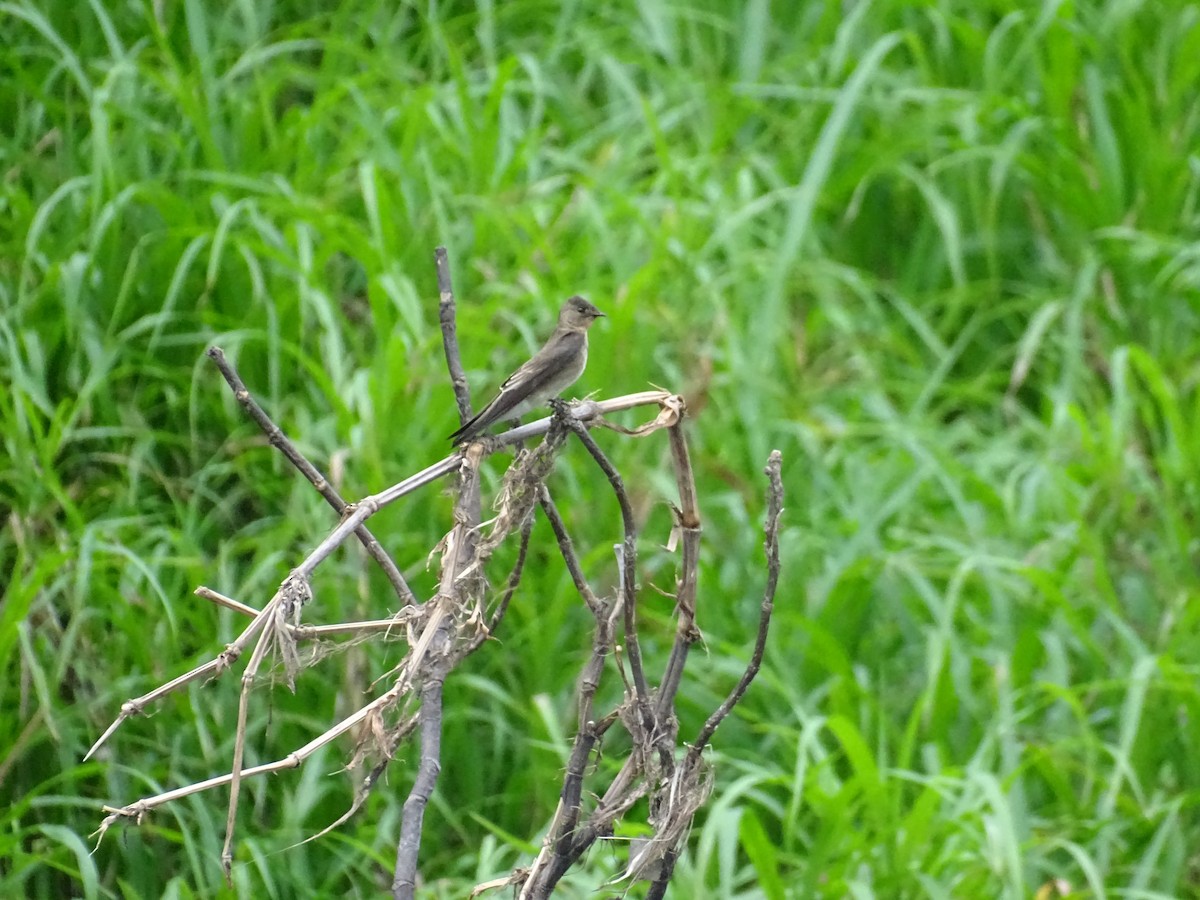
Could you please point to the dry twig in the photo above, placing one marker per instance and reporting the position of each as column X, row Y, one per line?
column 281, row 442
column 446, row 316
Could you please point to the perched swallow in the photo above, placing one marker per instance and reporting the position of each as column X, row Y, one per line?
column 550, row 371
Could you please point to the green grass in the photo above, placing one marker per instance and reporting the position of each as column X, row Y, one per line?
column 943, row 256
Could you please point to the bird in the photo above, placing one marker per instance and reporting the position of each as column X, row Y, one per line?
column 550, row 371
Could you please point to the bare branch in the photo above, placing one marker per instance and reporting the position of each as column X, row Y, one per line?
column 446, row 315
column 567, row 549
column 561, row 833
column 771, row 545
column 404, row 883
column 590, row 412
column 316, row 632
column 139, row 808
column 458, row 378
column 514, row 578
column 393, row 739
column 628, row 573
column 687, row 520
column 291, row 597
column 207, row 593
column 276, row 438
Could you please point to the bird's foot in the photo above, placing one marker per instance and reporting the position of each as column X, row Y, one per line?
column 564, row 414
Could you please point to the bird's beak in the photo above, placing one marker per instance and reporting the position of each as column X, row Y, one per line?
column 599, row 315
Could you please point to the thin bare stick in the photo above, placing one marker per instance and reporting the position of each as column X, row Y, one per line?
column 458, row 378
column 207, row 593
column 223, row 661
column 687, row 520
column 345, row 528
column 446, row 315
column 293, row 594
column 566, row 840
column 561, row 836
column 626, row 789
column 354, row 516
column 276, row 438
column 395, row 736
column 139, row 808
column 771, row 545
column 567, row 548
column 591, row 413
column 589, row 680
column 628, row 573
column 313, row 632
column 692, row 783
column 514, row 578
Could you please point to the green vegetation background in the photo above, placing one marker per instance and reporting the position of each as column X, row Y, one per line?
column 942, row 254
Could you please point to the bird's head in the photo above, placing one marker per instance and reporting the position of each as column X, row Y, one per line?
column 577, row 315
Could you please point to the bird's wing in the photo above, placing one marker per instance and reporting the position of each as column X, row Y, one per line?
column 536, row 377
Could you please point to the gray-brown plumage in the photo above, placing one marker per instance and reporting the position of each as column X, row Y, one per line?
column 548, row 373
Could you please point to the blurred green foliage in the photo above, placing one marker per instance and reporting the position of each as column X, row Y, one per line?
column 943, row 255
